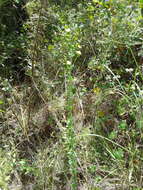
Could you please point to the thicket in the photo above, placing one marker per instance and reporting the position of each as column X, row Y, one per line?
column 71, row 96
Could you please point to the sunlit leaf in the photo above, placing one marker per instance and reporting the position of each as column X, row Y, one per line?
column 1, row 102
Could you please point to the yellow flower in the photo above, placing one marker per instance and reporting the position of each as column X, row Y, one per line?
column 100, row 113
column 97, row 90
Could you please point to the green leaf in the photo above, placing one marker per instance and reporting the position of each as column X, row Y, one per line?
column 1, row 102
column 123, row 125
column 118, row 153
column 141, row 4
column 17, row 1
column 113, row 135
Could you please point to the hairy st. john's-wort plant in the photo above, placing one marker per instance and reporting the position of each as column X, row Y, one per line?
column 69, row 42
column 67, row 49
column 70, row 138
column 70, row 132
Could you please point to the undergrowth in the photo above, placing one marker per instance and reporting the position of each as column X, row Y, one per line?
column 73, row 121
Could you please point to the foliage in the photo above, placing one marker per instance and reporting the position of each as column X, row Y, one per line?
column 5, row 168
column 75, row 120
column 13, row 39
